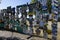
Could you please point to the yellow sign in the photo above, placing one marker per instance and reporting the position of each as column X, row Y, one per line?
column 31, row 13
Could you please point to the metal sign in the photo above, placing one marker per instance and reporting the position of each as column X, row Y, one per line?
column 13, row 11
column 44, row 7
column 43, row 2
column 9, row 9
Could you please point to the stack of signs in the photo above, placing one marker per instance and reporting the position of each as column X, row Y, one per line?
column 24, row 24
column 54, row 24
column 45, row 28
column 31, row 23
column 13, row 11
column 9, row 9
column 44, row 10
column 59, row 8
column 8, row 15
column 44, row 4
column 55, row 7
column 37, row 12
column 54, row 30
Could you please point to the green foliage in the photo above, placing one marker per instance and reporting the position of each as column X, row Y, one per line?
column 33, row 1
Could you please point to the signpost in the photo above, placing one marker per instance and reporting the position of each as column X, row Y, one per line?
column 55, row 19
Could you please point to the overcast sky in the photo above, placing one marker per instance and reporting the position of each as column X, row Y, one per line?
column 13, row 3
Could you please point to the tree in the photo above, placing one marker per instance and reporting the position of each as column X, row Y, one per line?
column 33, row 1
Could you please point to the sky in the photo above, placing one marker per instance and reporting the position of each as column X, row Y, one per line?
column 5, row 3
